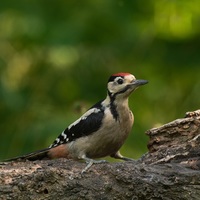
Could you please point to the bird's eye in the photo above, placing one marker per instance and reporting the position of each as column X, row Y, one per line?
column 120, row 81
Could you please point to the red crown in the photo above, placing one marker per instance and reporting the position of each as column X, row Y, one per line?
column 121, row 74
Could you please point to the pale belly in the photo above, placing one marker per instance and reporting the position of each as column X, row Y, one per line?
column 108, row 140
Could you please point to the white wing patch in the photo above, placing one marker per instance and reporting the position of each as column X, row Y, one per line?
column 64, row 137
column 57, row 140
column 84, row 117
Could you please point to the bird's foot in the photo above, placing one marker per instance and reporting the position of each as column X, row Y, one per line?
column 90, row 162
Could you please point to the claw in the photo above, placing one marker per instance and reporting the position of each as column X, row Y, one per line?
column 90, row 162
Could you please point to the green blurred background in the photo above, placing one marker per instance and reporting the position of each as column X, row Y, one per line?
column 56, row 57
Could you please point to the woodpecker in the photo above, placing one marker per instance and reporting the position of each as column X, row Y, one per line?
column 101, row 131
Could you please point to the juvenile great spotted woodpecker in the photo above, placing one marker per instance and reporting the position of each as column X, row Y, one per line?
column 101, row 131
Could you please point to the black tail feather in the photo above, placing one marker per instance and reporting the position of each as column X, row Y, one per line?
column 36, row 155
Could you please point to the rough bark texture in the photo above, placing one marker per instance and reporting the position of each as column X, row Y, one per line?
column 170, row 170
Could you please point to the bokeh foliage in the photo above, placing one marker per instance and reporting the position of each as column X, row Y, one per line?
column 56, row 57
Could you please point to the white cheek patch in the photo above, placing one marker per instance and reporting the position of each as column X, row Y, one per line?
column 110, row 87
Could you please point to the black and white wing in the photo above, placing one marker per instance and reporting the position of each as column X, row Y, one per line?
column 87, row 124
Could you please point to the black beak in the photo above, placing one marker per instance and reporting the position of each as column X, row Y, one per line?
column 139, row 82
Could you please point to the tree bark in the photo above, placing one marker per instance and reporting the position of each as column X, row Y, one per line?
column 170, row 170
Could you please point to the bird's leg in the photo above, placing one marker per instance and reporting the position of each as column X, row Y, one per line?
column 90, row 162
column 118, row 155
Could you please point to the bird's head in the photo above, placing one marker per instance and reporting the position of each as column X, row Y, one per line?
column 123, row 84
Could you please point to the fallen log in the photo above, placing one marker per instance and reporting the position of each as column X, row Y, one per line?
column 170, row 170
